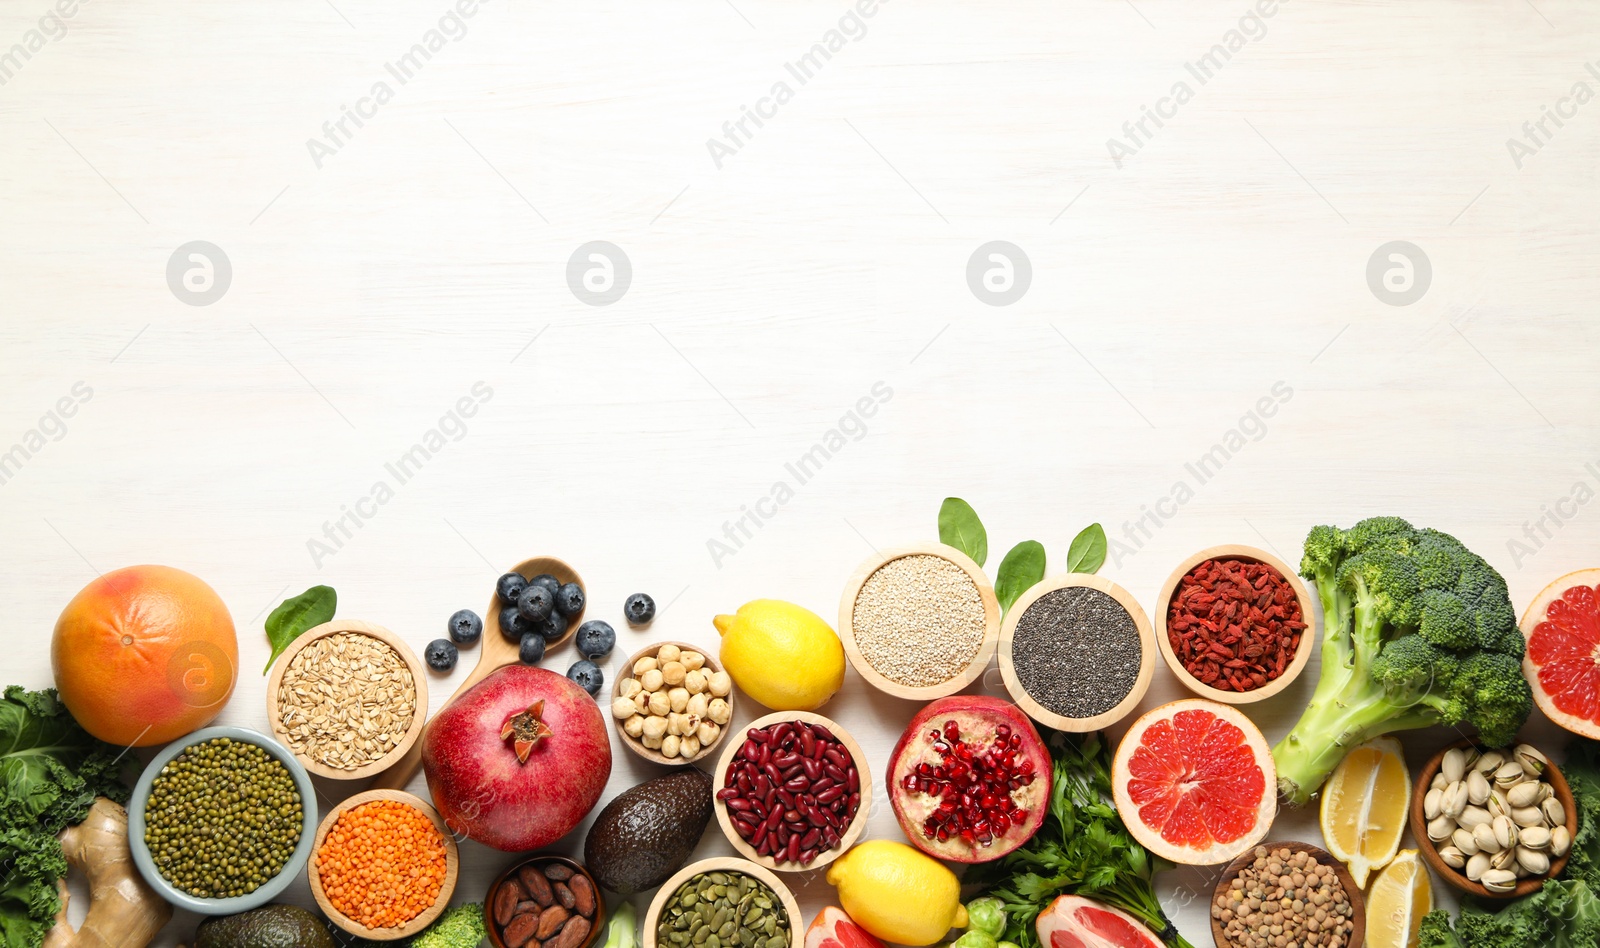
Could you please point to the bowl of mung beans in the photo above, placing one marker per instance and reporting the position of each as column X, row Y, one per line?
column 755, row 908
column 919, row 622
column 222, row 820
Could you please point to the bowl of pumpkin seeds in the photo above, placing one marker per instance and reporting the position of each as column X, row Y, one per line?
column 724, row 903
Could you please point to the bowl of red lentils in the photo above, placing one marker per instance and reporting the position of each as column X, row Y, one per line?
column 383, row 866
column 1235, row 624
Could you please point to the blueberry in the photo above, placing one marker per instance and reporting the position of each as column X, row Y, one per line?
column 553, row 627
column 465, row 627
column 596, row 638
column 532, row 650
column 588, row 676
column 639, row 608
column 547, row 581
column 509, row 587
column 569, row 601
column 513, row 626
column 535, row 602
column 441, row 654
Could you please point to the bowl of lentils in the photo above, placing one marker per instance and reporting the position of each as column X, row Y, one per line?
column 222, row 820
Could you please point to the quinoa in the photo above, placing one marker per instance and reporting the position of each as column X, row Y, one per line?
column 1077, row 651
column 919, row 620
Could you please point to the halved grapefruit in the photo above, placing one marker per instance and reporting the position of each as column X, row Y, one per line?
column 1073, row 921
column 1562, row 662
column 832, row 928
column 1194, row 782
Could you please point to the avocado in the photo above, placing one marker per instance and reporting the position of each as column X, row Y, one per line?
column 645, row 835
column 270, row 926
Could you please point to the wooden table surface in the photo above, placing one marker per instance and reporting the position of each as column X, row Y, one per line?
column 1197, row 188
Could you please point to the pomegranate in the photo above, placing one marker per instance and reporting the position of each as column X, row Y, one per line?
column 518, row 760
column 1073, row 921
column 970, row 779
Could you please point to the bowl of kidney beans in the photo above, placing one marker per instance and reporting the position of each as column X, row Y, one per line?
column 545, row 901
column 794, row 792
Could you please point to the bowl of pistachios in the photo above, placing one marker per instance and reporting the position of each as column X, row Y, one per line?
column 1495, row 822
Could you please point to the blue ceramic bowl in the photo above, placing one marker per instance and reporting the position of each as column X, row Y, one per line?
column 272, row 887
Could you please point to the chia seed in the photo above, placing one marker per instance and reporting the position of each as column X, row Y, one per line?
column 918, row 620
column 1077, row 651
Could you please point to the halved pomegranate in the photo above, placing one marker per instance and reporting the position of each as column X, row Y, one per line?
column 832, row 928
column 1073, row 921
column 970, row 779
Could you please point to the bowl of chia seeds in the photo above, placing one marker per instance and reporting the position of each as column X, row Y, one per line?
column 919, row 622
column 222, row 820
column 1077, row 653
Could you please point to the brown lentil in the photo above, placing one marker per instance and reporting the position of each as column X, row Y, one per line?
column 919, row 620
column 1283, row 899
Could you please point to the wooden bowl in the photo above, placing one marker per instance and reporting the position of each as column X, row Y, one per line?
column 596, row 932
column 652, row 916
column 980, row 660
column 1430, row 852
column 451, row 868
column 1308, row 637
column 1037, row 711
column 633, row 744
column 858, row 823
column 1358, row 917
column 494, row 653
column 419, row 679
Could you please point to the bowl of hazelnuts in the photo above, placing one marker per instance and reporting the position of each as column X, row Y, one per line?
column 672, row 703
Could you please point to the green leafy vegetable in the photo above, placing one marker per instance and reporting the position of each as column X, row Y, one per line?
column 960, row 527
column 1088, row 550
column 1582, row 770
column 1019, row 571
column 50, row 772
column 1564, row 913
column 293, row 616
column 1082, row 849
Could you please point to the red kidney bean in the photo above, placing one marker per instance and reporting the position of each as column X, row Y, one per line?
column 830, row 794
column 835, row 771
column 791, row 791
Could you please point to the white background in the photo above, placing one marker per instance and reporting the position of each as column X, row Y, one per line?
column 769, row 295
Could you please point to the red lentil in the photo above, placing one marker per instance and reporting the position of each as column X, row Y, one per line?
column 1234, row 624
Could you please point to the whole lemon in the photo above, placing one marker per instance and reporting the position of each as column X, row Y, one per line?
column 782, row 655
column 898, row 893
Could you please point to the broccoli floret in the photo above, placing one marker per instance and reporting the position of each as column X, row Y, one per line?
column 460, row 927
column 1417, row 631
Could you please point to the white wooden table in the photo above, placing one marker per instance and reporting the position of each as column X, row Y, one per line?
column 810, row 260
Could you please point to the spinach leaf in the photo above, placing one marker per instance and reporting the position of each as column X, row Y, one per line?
column 293, row 616
column 960, row 527
column 1088, row 550
column 1020, row 569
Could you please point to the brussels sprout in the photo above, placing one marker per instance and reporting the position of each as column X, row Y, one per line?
column 986, row 915
column 973, row 938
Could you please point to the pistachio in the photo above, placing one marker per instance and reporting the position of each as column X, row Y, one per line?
column 1438, row 782
column 1465, row 840
column 1505, row 859
column 1454, row 764
column 1525, row 793
column 1433, row 803
column 1489, row 762
column 1477, row 788
column 1486, row 840
column 1535, row 837
column 1536, row 863
column 1508, row 774
column 1453, row 857
column 1560, row 841
column 1440, row 828
column 1528, row 815
column 1531, row 759
column 1554, row 812
column 1455, row 800
column 1499, row 880
column 1477, row 866
column 1474, row 816
column 1505, row 832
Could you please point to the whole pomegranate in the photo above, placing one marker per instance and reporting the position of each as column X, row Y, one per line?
column 970, row 779
column 518, row 760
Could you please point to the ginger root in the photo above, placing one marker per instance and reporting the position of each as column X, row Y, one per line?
column 124, row 912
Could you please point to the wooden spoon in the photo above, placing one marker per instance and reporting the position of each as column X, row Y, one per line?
column 495, row 651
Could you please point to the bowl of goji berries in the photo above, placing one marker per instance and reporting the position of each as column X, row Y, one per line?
column 384, row 865
column 1235, row 624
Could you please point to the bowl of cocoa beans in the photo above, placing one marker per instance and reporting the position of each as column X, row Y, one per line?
column 545, row 901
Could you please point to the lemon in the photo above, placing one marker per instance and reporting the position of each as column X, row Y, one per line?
column 897, row 893
column 1400, row 896
column 783, row 656
column 1364, row 807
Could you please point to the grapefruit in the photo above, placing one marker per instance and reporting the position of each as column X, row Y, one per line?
column 1073, row 921
column 832, row 928
column 144, row 655
column 1562, row 663
column 1194, row 782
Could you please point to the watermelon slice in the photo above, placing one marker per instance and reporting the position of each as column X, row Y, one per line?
column 1073, row 921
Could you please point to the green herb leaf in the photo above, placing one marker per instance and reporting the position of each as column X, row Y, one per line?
column 1088, row 550
column 1019, row 571
column 960, row 527
column 293, row 616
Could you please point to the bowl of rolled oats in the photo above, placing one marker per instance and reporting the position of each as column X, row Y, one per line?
column 348, row 699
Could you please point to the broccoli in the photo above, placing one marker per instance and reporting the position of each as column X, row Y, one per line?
column 1417, row 630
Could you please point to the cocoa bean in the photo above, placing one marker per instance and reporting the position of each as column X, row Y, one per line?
column 505, row 901
column 537, row 885
column 519, row 931
column 564, row 896
column 557, row 872
column 572, row 934
column 582, row 895
column 551, row 921
column 526, row 907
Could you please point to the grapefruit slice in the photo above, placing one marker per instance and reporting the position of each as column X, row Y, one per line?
column 1194, row 782
column 1073, row 921
column 832, row 928
column 1562, row 663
